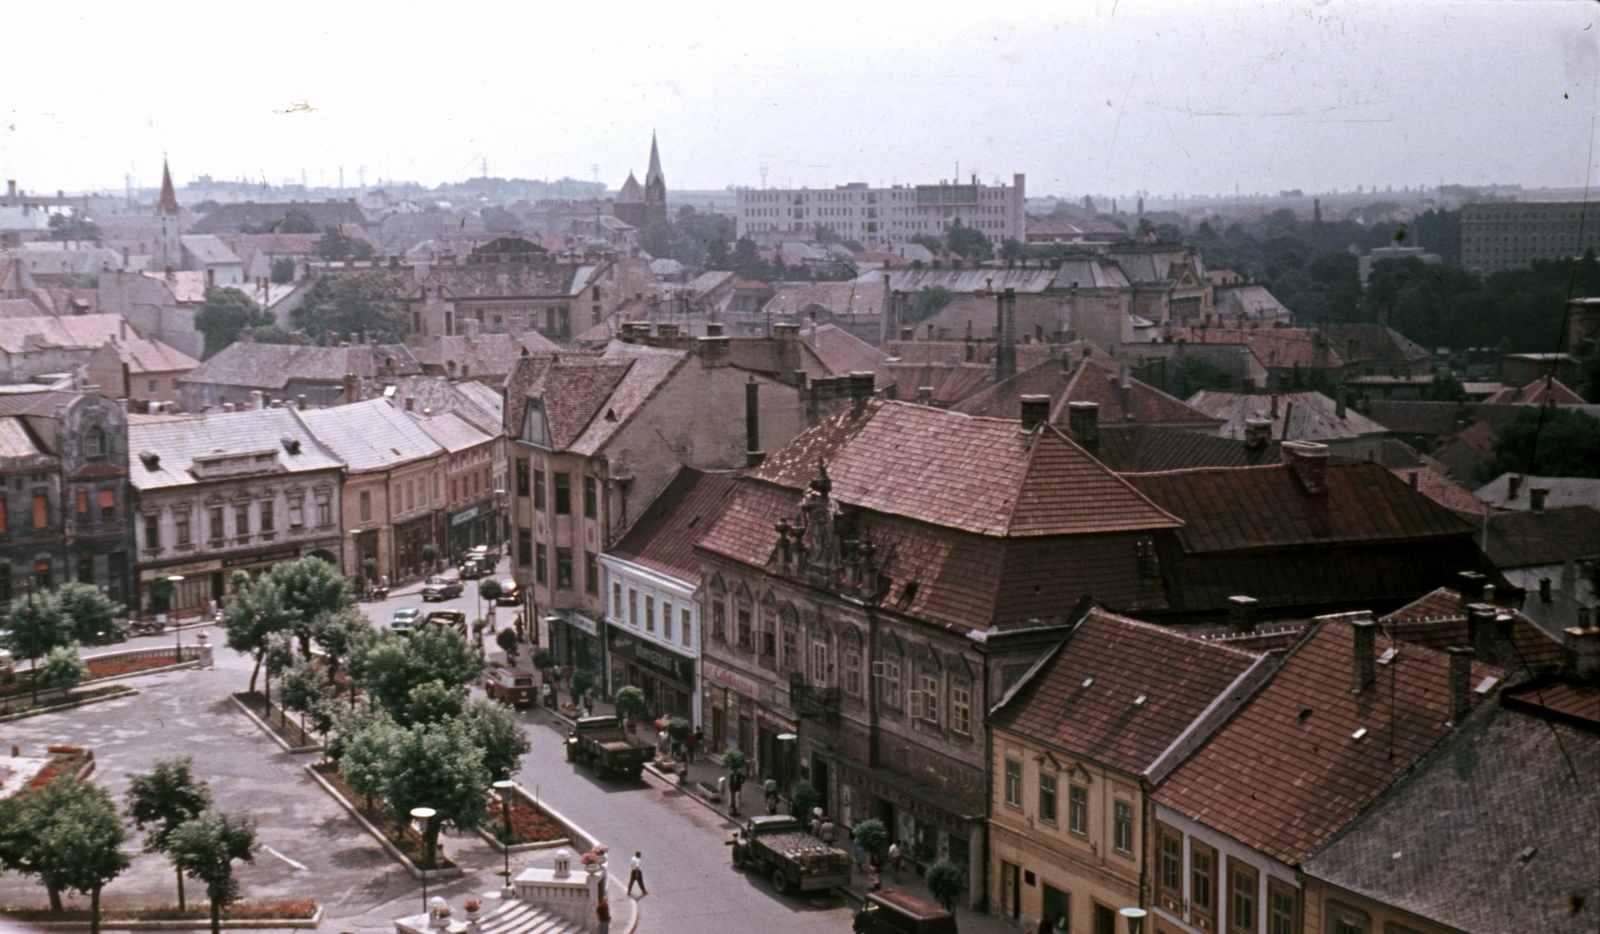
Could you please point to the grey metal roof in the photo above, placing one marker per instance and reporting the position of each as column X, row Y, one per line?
column 370, row 435
column 180, row 442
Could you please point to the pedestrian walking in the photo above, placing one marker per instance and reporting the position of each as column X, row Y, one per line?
column 771, row 786
column 602, row 914
column 816, row 823
column 894, row 861
column 829, row 832
column 636, row 874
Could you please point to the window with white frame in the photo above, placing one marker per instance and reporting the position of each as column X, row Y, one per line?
column 1014, row 783
column 819, row 663
column 961, row 709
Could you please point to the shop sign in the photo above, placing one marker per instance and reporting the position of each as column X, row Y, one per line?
column 197, row 567
column 662, row 662
column 271, row 557
column 902, row 801
column 580, row 621
column 729, row 679
column 465, row 515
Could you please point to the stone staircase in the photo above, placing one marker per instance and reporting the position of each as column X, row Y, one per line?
column 515, row 916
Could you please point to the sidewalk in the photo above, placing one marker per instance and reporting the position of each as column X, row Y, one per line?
column 703, row 776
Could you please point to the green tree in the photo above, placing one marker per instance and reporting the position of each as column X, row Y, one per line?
column 334, row 245
column 307, row 588
column 63, row 668
column 1568, row 443
column 363, row 303
column 364, row 754
column 431, row 702
column 430, row 555
column 945, row 881
column 746, row 261
column 802, row 798
column 340, row 634
column 253, row 615
column 969, row 242
column 437, row 766
column 489, row 589
column 1446, row 388
column 164, row 799
column 308, row 691
column 493, row 728
column 206, row 848
column 226, row 312
column 66, row 833
column 507, row 640
column 1012, row 249
column 1193, row 373
column 35, row 626
column 872, row 835
column 93, row 615
column 294, row 221
column 583, row 678
column 931, row 300
column 73, row 226
column 282, row 270
column 391, row 669
column 630, row 702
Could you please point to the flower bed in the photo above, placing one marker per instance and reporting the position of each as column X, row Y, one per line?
column 64, row 760
column 16, row 707
column 527, row 825
column 283, row 909
column 108, row 667
column 409, row 842
column 276, row 719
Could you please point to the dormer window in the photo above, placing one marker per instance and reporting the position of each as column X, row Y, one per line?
column 535, row 430
column 94, row 442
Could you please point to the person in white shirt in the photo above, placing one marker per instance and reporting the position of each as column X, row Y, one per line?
column 635, row 874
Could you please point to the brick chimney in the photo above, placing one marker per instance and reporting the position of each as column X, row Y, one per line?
column 1483, row 631
column 1470, row 585
column 1460, row 682
column 1309, row 461
column 753, row 455
column 1243, row 611
column 862, row 383
column 1536, row 497
column 352, row 388
column 713, row 350
column 1005, row 354
column 257, row 400
column 1580, row 649
column 1364, row 649
column 787, row 333
column 1035, row 411
column 925, row 395
column 1257, row 433
column 1083, row 423
column 714, row 329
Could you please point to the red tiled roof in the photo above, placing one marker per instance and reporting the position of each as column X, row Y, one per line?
column 663, row 537
column 1092, row 381
column 1433, row 484
column 1274, row 347
column 1084, row 698
column 1534, row 394
column 1480, row 438
column 951, row 383
column 1232, row 508
column 979, row 475
column 1575, row 701
column 1438, row 621
column 1287, row 772
column 573, row 392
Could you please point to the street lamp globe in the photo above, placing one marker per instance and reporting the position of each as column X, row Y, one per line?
column 1135, row 919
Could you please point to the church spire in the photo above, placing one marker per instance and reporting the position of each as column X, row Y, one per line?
column 654, row 175
column 169, row 199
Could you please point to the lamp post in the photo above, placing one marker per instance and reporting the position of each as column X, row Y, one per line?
column 426, row 816
column 177, row 633
column 785, row 753
column 1135, row 918
column 504, row 786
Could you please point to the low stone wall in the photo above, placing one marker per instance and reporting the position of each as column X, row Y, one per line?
column 576, row 838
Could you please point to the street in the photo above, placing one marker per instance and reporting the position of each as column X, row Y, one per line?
column 317, row 850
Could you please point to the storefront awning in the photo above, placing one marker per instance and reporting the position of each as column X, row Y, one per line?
column 905, row 792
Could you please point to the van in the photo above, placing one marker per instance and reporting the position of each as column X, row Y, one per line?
column 893, row 912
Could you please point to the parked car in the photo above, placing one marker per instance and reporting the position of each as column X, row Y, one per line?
column 455, row 619
column 893, row 912
column 405, row 619
column 510, row 686
column 478, row 562
column 510, row 593
column 777, row 845
column 441, row 588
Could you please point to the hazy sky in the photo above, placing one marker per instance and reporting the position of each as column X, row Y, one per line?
column 1113, row 97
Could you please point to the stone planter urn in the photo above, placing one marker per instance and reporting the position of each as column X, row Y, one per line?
column 474, row 909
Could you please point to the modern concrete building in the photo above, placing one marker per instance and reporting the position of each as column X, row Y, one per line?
column 1511, row 235
column 885, row 216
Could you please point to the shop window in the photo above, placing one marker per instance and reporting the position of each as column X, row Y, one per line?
column 563, row 568
column 1057, row 909
column 1013, row 783
column 1078, row 809
column 525, row 548
column 108, row 504
column 591, row 574
column 540, row 561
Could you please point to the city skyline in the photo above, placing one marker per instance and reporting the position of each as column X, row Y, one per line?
column 1120, row 97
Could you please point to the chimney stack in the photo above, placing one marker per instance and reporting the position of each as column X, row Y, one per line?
column 753, row 455
column 1309, row 461
column 1460, row 682
column 1483, row 633
column 714, row 329
column 787, row 333
column 1257, row 433
column 925, row 395
column 1470, row 586
column 1536, row 496
column 1364, row 649
column 1243, row 611
column 1083, row 423
column 300, row 402
column 256, row 400
column 352, row 388
column 862, row 383
column 1580, row 649
column 1035, row 411
column 1005, row 356
column 713, row 349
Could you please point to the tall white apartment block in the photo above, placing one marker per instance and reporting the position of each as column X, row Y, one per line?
column 884, row 216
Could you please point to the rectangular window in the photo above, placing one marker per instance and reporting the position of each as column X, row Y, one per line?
column 1242, row 898
column 616, row 601
column 41, row 511
column 268, row 521
column 649, row 614
column 633, row 608
column 852, row 672
column 85, row 569
column 591, row 498
column 297, row 513
column 180, row 522
column 563, row 494
column 791, row 651
column 366, row 506
column 1078, row 809
column 769, row 639
column 241, row 521
column 961, row 710
column 1202, row 878
column 541, row 558
column 2, row 516
column 1047, row 797
column 666, row 621
column 1122, row 827
column 563, row 568
column 1171, row 862
column 218, row 533
column 930, row 698
column 591, row 574
column 455, row 490
column 522, row 477
column 744, row 629
column 152, row 533
column 819, row 663
column 5, row 583
column 83, row 502
column 685, row 628
column 891, row 684
column 1284, row 917
column 324, row 510
column 525, row 547
column 108, row 504
column 538, row 490
column 1014, row 783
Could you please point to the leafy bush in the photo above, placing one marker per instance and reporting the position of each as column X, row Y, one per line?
column 946, row 880
column 872, row 835
column 734, row 760
column 803, row 799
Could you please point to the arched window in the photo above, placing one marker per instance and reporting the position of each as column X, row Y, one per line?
column 789, row 638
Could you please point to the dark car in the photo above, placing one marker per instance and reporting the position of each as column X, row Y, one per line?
column 441, row 588
column 405, row 619
column 510, row 593
column 893, row 912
